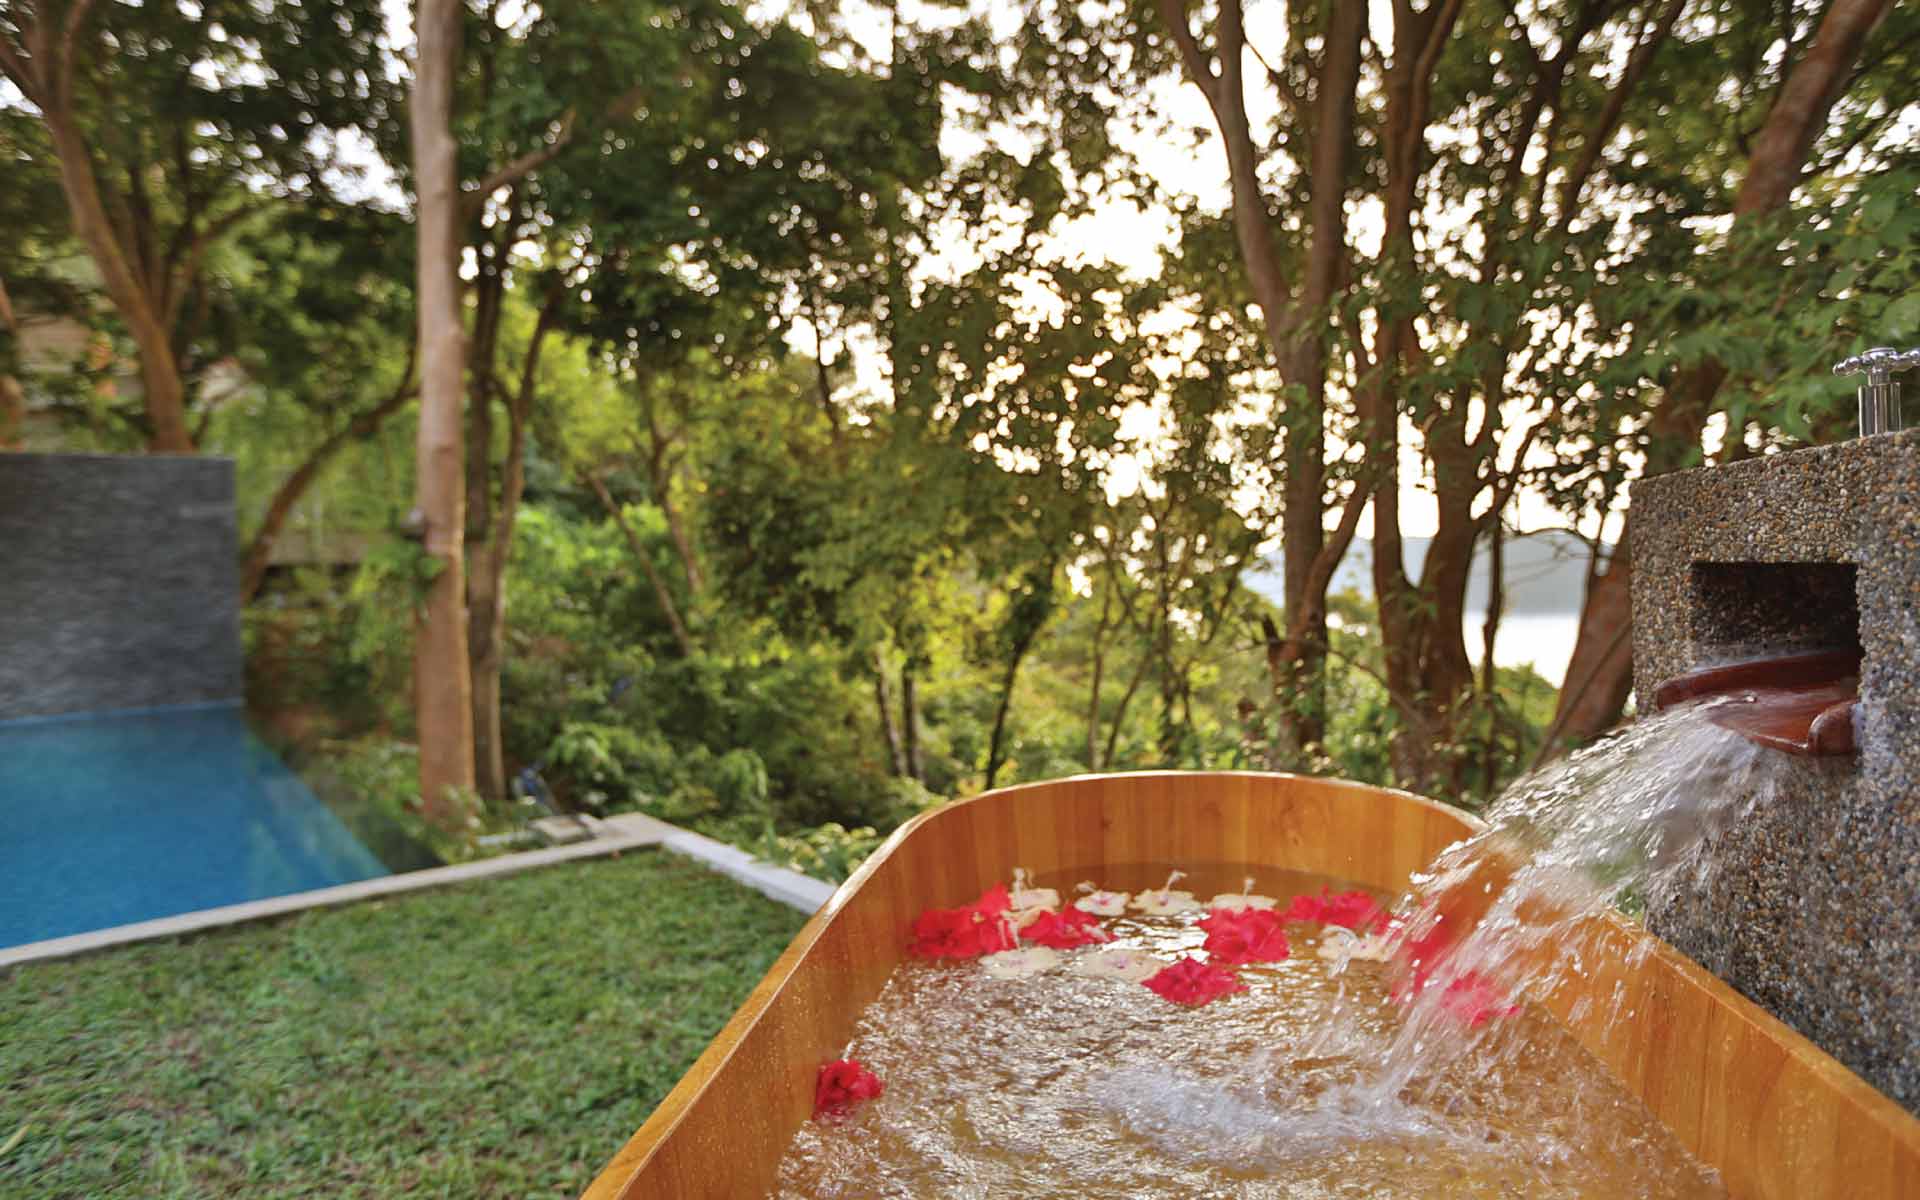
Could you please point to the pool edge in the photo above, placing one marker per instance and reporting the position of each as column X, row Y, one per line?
column 630, row 831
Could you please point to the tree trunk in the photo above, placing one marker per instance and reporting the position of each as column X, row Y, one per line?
column 1801, row 107
column 1171, row 685
column 1099, row 668
column 883, row 701
column 661, row 592
column 259, row 556
column 487, row 584
column 13, row 396
column 484, row 601
column 996, row 742
column 822, row 380
column 443, row 687
column 660, row 473
column 1295, row 332
column 163, row 391
column 1029, row 608
column 1496, row 604
column 13, row 412
column 483, row 347
column 1126, row 702
column 682, row 543
column 1601, row 675
column 1463, row 466
column 1303, row 364
column 910, row 720
column 486, row 617
column 1490, row 752
column 1426, row 663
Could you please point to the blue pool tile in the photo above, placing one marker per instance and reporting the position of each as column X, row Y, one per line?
column 113, row 819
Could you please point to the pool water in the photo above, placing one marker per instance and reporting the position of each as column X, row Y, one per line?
column 113, row 819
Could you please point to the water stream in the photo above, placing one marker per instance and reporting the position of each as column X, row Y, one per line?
column 1503, row 917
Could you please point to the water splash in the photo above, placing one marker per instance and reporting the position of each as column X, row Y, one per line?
column 1506, row 915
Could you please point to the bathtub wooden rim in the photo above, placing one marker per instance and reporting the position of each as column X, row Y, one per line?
column 1763, row 1067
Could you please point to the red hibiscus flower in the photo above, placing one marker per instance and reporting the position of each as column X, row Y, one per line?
column 843, row 1084
column 1065, row 929
column 1474, row 1000
column 994, row 900
column 1425, row 944
column 965, row 932
column 1192, row 982
column 1350, row 910
column 1470, row 998
column 1244, row 935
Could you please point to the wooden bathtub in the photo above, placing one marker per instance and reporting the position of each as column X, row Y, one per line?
column 1778, row 1117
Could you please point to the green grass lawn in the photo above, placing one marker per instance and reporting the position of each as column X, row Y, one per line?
column 495, row 1039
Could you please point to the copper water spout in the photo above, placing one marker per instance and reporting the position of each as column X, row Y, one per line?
column 1800, row 703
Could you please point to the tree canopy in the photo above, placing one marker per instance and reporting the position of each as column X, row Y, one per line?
column 792, row 440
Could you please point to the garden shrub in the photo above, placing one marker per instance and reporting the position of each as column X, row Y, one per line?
column 374, row 785
column 830, row 851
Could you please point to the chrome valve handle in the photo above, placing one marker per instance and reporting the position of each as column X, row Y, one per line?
column 1880, row 393
column 1878, row 363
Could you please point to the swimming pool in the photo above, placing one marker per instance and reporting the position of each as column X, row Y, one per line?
column 110, row 819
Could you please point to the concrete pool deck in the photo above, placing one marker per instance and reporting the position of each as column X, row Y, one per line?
column 614, row 835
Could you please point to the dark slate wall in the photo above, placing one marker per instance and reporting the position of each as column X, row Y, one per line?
column 1813, row 906
column 119, row 584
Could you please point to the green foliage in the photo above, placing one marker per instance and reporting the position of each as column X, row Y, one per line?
column 304, row 669
column 612, row 768
column 1827, row 277
column 376, row 783
column 1017, row 538
column 214, row 132
column 829, row 852
column 373, row 637
column 425, row 1045
column 398, row 569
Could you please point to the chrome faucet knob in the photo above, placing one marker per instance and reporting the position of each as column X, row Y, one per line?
column 1880, row 394
column 1878, row 363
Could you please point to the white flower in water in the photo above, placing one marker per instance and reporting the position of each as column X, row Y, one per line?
column 1025, row 898
column 1023, row 917
column 1240, row 900
column 1038, row 899
column 1164, row 903
column 1102, row 903
column 1337, row 943
column 1014, row 964
column 1129, row 965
